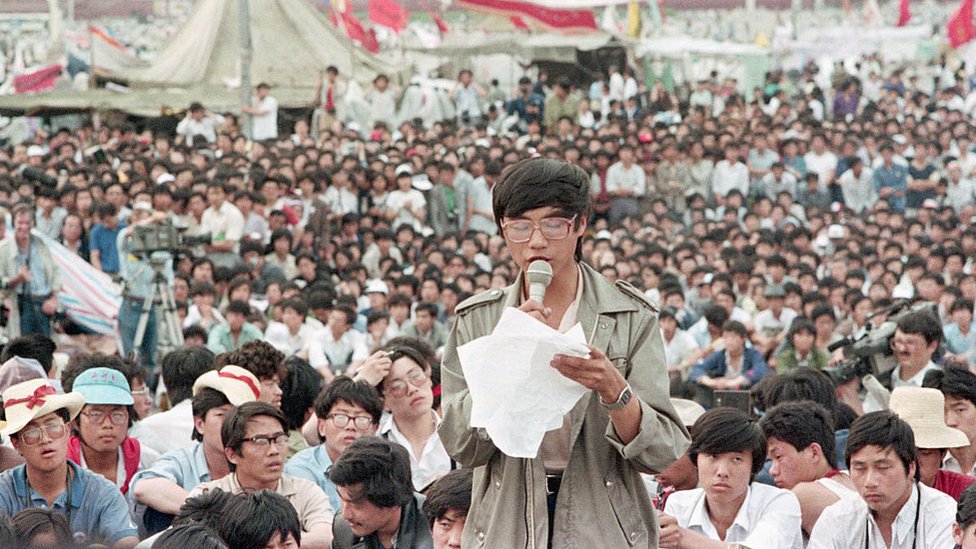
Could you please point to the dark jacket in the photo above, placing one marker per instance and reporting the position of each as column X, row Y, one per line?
column 414, row 531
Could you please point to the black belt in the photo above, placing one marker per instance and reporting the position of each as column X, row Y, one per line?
column 34, row 297
column 552, row 484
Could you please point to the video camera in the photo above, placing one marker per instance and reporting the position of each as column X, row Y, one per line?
column 37, row 176
column 868, row 351
column 165, row 237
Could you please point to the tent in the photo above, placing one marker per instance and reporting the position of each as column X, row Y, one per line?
column 292, row 43
column 687, row 59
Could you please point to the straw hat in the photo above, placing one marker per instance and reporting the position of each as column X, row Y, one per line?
column 35, row 398
column 236, row 383
column 688, row 410
column 923, row 409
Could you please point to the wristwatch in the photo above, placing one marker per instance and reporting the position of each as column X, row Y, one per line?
column 622, row 400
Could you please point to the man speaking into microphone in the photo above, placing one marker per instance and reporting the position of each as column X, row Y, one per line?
column 584, row 488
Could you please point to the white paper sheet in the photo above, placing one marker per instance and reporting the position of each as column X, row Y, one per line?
column 515, row 394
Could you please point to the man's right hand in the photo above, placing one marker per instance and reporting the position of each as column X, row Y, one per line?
column 670, row 534
column 376, row 367
column 536, row 310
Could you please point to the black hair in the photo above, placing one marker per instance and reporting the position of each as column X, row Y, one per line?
column 189, row 535
column 955, row 381
column 803, row 383
column 296, row 305
column 396, row 351
column 801, row 423
column 716, row 315
column 204, row 401
column 427, row 307
column 193, row 331
column 883, row 429
column 256, row 356
column 251, row 521
column 343, row 388
column 42, row 520
column 181, row 368
column 966, row 509
column 736, row 327
column 452, row 492
column 721, row 430
column 204, row 508
column 921, row 322
column 381, row 467
column 37, row 346
column 541, row 182
column 234, row 428
column 299, row 388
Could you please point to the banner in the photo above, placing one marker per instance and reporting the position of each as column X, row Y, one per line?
column 37, row 81
column 556, row 19
column 439, row 21
column 388, row 13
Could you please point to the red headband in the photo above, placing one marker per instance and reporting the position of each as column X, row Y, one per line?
column 35, row 399
column 243, row 379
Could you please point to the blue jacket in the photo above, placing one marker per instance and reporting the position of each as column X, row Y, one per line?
column 753, row 366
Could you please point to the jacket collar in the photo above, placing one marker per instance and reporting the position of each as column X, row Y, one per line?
column 599, row 297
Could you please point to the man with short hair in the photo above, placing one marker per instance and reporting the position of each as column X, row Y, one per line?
column 225, row 223
column 626, row 184
column 166, row 485
column 735, row 367
column 379, row 507
column 446, row 507
column 346, row 410
column 37, row 420
column 894, row 510
column 337, row 347
column 800, row 445
column 172, row 429
column 29, row 277
column 255, row 437
column 235, row 332
column 425, row 325
column 292, row 333
column 264, row 110
column 958, row 385
column 917, row 337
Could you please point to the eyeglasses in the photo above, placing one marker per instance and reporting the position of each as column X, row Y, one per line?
column 398, row 388
column 263, row 441
column 341, row 420
column 552, row 228
column 119, row 417
column 34, row 436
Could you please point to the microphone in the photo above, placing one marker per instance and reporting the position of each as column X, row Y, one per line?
column 539, row 275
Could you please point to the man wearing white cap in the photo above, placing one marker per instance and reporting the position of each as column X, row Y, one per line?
column 37, row 418
column 922, row 409
column 165, row 486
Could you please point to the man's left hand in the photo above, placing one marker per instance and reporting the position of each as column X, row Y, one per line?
column 595, row 372
column 50, row 306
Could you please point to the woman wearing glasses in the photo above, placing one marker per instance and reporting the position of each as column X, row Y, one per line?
column 411, row 422
column 625, row 426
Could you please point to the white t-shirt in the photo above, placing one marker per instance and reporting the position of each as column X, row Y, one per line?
column 402, row 202
column 266, row 125
column 822, row 164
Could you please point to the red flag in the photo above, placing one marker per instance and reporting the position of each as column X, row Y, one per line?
column 559, row 19
column 439, row 21
column 904, row 13
column 389, row 14
column 37, row 81
column 519, row 24
column 370, row 43
column 354, row 29
column 333, row 18
column 960, row 25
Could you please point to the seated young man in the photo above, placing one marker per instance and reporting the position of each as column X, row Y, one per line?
column 446, row 507
column 255, row 437
column 958, row 385
column 894, row 509
column 165, row 486
column 37, row 423
column 728, row 449
column 265, row 362
column 378, row 501
column 921, row 408
column 260, row 520
column 735, row 367
column 346, row 410
column 800, row 445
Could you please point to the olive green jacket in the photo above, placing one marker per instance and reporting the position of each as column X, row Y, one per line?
column 602, row 501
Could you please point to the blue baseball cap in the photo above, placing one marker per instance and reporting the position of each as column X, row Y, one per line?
column 103, row 386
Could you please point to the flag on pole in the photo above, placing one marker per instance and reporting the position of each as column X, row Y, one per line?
column 567, row 20
column 904, row 13
column 960, row 25
column 633, row 19
column 388, row 13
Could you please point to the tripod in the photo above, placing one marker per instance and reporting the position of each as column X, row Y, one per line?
column 168, row 323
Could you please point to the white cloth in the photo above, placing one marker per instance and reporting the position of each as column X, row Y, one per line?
column 823, row 165
column 769, row 325
column 402, row 203
column 265, row 126
column 278, row 335
column 433, row 461
column 859, row 193
column 679, row 347
column 769, row 517
column 845, row 524
column 166, row 431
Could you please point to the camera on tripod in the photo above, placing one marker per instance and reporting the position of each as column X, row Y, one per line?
column 868, row 351
column 150, row 239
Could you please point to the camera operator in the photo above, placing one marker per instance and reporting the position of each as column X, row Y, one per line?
column 916, row 339
column 29, row 277
column 137, row 275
